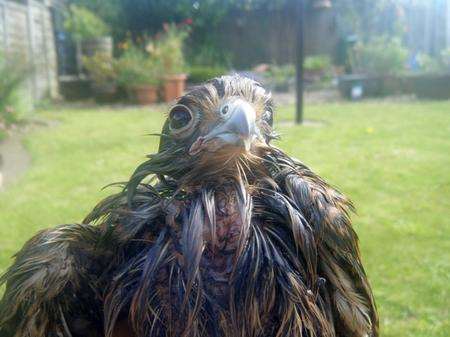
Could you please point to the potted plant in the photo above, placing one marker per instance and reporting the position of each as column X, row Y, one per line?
column 89, row 32
column 169, row 49
column 140, row 74
column 317, row 68
column 102, row 72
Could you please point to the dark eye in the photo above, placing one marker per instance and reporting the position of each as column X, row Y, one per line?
column 180, row 117
column 224, row 110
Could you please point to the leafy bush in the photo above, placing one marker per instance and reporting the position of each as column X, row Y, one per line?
column 427, row 63
column 435, row 65
column 280, row 77
column 320, row 63
column 84, row 24
column 445, row 58
column 101, row 68
column 209, row 55
column 199, row 74
column 169, row 49
column 12, row 75
column 137, row 67
column 380, row 56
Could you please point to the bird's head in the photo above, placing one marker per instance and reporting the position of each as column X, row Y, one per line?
column 214, row 130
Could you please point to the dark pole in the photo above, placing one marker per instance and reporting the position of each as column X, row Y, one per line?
column 300, row 55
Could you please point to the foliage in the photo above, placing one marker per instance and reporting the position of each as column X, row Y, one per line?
column 137, row 67
column 149, row 16
column 199, row 74
column 282, row 71
column 280, row 77
column 427, row 63
column 12, row 75
column 403, row 224
column 379, row 56
column 207, row 55
column 169, row 49
column 445, row 58
column 320, row 63
column 136, row 19
column 109, row 11
column 84, row 24
column 101, row 68
column 435, row 65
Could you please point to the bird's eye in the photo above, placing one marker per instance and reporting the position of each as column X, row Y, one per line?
column 224, row 110
column 180, row 117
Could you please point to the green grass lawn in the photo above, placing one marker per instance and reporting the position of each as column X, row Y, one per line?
column 392, row 159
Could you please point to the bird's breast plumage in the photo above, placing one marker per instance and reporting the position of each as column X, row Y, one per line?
column 220, row 228
column 220, row 244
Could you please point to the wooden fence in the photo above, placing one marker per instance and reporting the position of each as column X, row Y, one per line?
column 26, row 32
column 262, row 36
column 428, row 26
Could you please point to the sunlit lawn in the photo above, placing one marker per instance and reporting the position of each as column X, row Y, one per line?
column 392, row 159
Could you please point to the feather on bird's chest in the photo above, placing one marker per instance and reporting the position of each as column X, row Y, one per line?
column 220, row 221
column 227, row 260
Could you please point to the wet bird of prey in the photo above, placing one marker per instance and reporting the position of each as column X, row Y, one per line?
column 219, row 233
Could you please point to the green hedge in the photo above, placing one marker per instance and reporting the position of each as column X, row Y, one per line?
column 200, row 74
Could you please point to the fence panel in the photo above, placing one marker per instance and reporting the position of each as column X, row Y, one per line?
column 26, row 32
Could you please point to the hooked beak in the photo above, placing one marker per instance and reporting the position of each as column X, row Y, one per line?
column 238, row 129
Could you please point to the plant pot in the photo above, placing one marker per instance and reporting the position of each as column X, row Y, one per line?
column 103, row 45
column 174, row 86
column 146, row 94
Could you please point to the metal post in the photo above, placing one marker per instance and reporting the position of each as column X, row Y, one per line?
column 300, row 56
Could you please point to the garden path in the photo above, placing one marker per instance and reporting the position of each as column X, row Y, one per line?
column 14, row 159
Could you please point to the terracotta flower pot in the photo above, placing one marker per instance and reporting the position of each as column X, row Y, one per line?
column 146, row 94
column 174, row 86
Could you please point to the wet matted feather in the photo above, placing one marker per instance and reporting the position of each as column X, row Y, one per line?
column 220, row 233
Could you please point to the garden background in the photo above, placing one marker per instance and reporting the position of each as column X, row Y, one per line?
column 75, row 118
